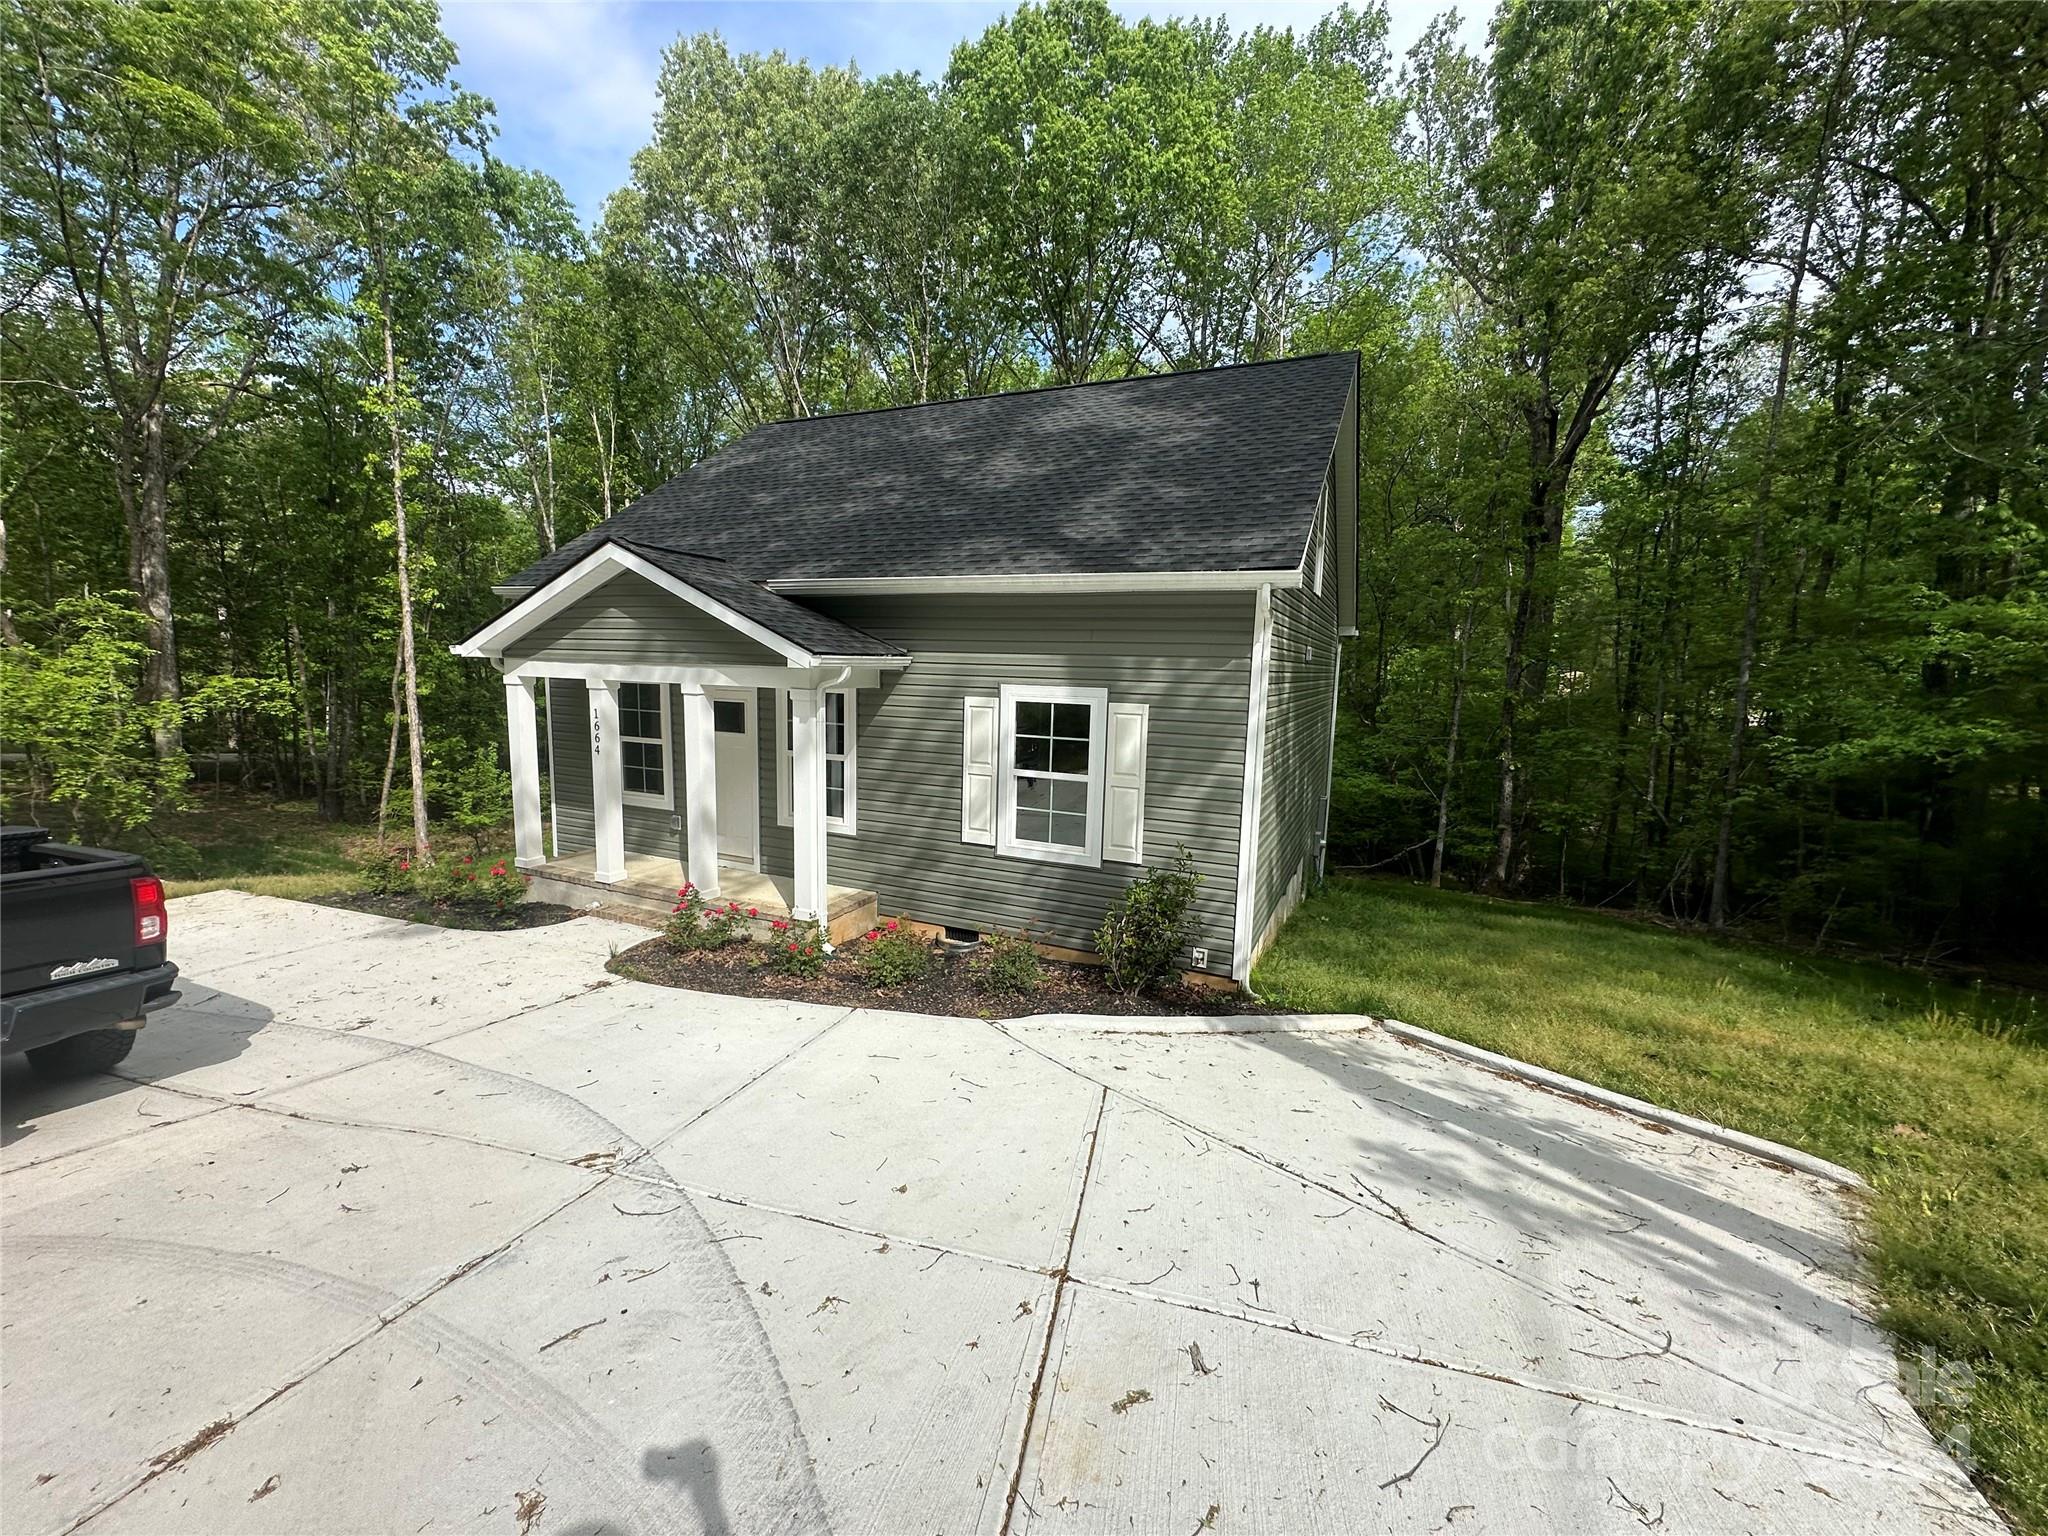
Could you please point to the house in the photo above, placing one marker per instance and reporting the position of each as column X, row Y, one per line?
column 975, row 662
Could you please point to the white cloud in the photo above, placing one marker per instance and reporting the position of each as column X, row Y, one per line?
column 574, row 85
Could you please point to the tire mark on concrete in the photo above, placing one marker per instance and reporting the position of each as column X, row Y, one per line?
column 760, row 1409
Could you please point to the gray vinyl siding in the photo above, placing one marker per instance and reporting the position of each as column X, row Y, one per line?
column 629, row 620
column 648, row 828
column 778, row 843
column 1188, row 656
column 1297, row 752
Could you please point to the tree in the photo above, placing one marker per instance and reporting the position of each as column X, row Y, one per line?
column 1305, row 192
column 406, row 205
column 732, row 195
column 158, row 155
column 1578, row 183
column 1084, row 133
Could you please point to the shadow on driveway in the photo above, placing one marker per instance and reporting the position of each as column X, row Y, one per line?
column 176, row 1040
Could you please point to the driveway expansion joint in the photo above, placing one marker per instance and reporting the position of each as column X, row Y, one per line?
column 1060, row 1277
column 1379, row 1210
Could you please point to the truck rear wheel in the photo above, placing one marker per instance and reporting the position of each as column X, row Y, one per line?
column 94, row 1051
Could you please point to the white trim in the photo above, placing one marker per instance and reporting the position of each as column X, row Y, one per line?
column 700, row 793
column 607, row 818
column 693, row 677
column 1108, row 581
column 666, row 800
column 523, row 758
column 592, row 572
column 1320, row 525
column 847, row 825
column 1242, row 937
column 1007, row 842
column 751, row 699
column 547, row 693
column 809, row 856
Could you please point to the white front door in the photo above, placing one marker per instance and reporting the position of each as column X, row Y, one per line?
column 739, row 777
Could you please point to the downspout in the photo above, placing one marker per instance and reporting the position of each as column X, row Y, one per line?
column 1244, row 930
column 1330, row 761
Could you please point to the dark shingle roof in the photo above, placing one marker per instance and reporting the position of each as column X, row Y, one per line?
column 802, row 626
column 1216, row 470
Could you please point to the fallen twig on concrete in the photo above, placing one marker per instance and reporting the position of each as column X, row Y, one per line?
column 565, row 1338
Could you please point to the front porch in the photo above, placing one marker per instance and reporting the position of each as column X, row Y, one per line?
column 650, row 883
column 677, row 657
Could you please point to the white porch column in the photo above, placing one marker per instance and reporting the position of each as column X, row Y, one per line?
column 607, row 783
column 519, row 732
column 700, row 789
column 807, row 802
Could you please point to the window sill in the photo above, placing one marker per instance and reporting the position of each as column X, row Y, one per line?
column 1049, row 853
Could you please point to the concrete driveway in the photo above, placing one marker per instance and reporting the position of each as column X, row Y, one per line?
column 392, row 1228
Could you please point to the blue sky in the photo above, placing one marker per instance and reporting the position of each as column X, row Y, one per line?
column 574, row 79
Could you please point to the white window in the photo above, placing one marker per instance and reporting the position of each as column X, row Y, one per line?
column 643, row 744
column 1050, row 773
column 841, row 755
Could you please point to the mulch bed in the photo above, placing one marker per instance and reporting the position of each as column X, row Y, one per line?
column 949, row 990
column 524, row 914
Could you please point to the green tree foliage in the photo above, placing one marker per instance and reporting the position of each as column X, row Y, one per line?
column 1789, row 577
column 75, row 711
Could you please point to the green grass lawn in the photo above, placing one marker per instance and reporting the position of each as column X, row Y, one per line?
column 1937, row 1094
column 252, row 843
column 232, row 840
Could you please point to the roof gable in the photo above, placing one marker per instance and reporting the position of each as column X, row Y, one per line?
column 1202, row 472
column 761, row 625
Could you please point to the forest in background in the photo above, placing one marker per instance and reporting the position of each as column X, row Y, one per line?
column 1702, row 404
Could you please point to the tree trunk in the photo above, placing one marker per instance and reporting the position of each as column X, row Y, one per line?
column 1717, row 901
column 391, row 747
column 407, row 662
column 604, row 465
column 149, row 572
column 1443, row 799
column 1530, row 620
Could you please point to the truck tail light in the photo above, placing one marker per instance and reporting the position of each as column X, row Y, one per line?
column 151, row 920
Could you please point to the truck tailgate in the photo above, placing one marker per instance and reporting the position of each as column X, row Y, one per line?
column 73, row 920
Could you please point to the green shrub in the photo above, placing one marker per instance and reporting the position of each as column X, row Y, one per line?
column 796, row 950
column 386, row 874
column 891, row 956
column 463, row 882
column 1142, row 934
column 470, row 790
column 1008, row 964
column 696, row 924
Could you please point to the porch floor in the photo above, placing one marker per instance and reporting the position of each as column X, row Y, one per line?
column 652, row 882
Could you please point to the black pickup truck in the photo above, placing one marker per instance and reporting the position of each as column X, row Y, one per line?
column 82, row 934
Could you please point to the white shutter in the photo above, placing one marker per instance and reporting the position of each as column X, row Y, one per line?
column 1123, row 810
column 978, row 772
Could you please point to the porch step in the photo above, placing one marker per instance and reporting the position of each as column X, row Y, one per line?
column 651, row 885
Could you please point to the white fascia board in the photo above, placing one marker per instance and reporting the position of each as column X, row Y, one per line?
column 592, row 572
column 857, row 675
column 1114, row 581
